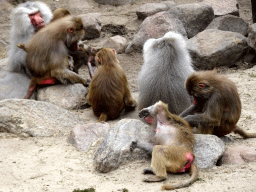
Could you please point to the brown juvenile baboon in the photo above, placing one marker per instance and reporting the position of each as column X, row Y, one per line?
column 167, row 65
column 217, row 106
column 109, row 91
column 26, row 19
column 174, row 143
column 47, row 53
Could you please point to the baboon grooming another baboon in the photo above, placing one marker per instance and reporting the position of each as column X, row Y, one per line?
column 174, row 143
column 47, row 53
column 109, row 91
column 167, row 65
column 217, row 106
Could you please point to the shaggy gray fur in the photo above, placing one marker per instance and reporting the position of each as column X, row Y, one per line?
column 22, row 30
column 167, row 65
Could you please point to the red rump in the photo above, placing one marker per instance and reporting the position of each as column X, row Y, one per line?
column 190, row 159
column 49, row 81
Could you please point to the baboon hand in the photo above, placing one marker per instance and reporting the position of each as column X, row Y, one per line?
column 133, row 145
column 144, row 113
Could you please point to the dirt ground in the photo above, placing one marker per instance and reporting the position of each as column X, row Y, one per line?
column 52, row 164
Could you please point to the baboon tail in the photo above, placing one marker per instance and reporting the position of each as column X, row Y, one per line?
column 22, row 46
column 193, row 178
column 244, row 134
column 103, row 117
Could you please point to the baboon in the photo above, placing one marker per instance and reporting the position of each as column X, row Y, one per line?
column 109, row 91
column 47, row 53
column 172, row 150
column 60, row 13
column 217, row 106
column 167, row 65
column 26, row 19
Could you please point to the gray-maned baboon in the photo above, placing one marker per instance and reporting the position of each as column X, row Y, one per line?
column 109, row 92
column 47, row 53
column 26, row 19
column 167, row 65
column 217, row 106
column 172, row 150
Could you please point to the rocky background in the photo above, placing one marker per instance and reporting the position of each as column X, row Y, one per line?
column 55, row 145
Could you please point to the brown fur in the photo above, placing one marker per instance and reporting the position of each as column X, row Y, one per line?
column 218, row 106
column 173, row 141
column 109, row 91
column 60, row 13
column 47, row 51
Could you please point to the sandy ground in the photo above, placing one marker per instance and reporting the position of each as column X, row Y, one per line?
column 52, row 164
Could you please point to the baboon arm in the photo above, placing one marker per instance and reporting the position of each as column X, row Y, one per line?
column 189, row 111
column 148, row 147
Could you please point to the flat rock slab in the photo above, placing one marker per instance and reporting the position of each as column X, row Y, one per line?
column 114, row 2
column 221, row 7
column 208, row 150
column 230, row 23
column 155, row 27
column 214, row 48
column 115, row 148
column 25, row 117
column 195, row 17
column 83, row 136
column 70, row 96
column 238, row 155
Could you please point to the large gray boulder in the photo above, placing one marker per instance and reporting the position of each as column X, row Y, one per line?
column 213, row 48
column 208, row 150
column 221, row 7
column 155, row 27
column 114, row 2
column 25, row 117
column 149, row 9
column 115, row 148
column 252, row 36
column 195, row 17
column 70, row 96
column 229, row 23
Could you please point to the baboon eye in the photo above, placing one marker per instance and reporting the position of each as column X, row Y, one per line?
column 201, row 85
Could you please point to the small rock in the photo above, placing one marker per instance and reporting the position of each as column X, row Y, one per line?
column 230, row 23
column 92, row 25
column 150, row 9
column 221, row 7
column 82, row 136
column 238, row 155
column 117, row 42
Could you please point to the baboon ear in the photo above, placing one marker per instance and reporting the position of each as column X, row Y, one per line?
column 99, row 59
column 201, row 85
column 71, row 30
column 114, row 51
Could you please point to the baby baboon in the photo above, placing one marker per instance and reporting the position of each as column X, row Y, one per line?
column 167, row 65
column 217, row 106
column 174, row 143
column 109, row 91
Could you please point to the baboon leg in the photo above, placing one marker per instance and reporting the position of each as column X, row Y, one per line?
column 148, row 171
column 31, row 88
column 153, row 178
column 103, row 117
column 244, row 134
column 64, row 74
column 148, row 147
